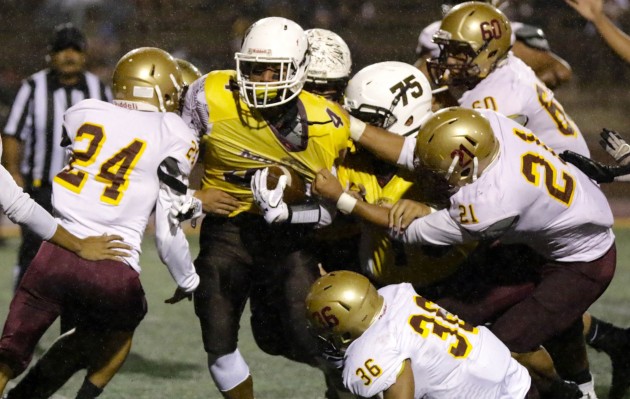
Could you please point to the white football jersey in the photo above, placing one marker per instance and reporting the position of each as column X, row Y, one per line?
column 528, row 195
column 513, row 89
column 449, row 358
column 111, row 183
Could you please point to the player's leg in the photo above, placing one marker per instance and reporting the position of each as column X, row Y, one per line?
column 615, row 342
column 104, row 364
column 64, row 358
column 555, row 308
column 223, row 268
column 33, row 309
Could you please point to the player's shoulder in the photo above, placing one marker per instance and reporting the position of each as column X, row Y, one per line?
column 319, row 109
column 175, row 126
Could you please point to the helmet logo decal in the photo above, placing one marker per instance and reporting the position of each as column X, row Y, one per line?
column 491, row 30
column 460, row 152
column 325, row 318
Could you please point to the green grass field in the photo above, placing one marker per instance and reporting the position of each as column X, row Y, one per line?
column 168, row 361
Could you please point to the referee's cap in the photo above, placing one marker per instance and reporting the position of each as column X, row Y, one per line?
column 67, row 36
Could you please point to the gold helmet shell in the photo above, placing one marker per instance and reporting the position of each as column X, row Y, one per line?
column 190, row 73
column 457, row 145
column 341, row 305
column 147, row 79
column 477, row 31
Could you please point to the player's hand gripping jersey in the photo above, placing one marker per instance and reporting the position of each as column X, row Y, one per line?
column 449, row 358
column 513, row 89
column 240, row 141
column 527, row 195
column 388, row 261
column 112, row 178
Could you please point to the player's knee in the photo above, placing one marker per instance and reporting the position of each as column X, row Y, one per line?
column 228, row 371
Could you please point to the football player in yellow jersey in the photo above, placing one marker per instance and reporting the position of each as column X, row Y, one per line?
column 254, row 117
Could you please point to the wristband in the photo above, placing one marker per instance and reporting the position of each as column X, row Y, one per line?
column 357, row 127
column 346, row 203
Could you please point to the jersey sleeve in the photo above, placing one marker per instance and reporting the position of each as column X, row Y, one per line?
column 373, row 367
column 21, row 209
column 172, row 244
column 407, row 153
column 438, row 228
column 184, row 148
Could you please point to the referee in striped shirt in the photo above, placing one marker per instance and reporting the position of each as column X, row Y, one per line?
column 32, row 135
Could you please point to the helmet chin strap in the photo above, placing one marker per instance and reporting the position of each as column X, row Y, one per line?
column 475, row 168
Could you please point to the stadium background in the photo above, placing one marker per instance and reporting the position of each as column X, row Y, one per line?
column 168, row 360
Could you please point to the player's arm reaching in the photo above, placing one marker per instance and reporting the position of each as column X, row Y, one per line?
column 171, row 241
column 21, row 209
column 614, row 145
column 327, row 186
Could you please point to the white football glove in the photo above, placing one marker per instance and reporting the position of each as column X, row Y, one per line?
column 617, row 147
column 270, row 201
column 185, row 207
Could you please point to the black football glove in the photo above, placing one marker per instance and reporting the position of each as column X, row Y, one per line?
column 595, row 170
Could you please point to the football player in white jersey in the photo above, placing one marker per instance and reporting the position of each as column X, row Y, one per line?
column 507, row 185
column 397, row 343
column 126, row 159
column 475, row 59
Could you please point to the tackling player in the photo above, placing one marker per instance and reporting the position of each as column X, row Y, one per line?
column 477, row 151
column 399, row 344
column 127, row 159
column 253, row 117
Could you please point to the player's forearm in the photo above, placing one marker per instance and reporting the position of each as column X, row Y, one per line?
column 380, row 142
column 66, row 240
column 615, row 37
column 371, row 213
column 173, row 246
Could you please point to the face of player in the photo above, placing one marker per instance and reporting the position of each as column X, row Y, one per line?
column 265, row 72
column 69, row 63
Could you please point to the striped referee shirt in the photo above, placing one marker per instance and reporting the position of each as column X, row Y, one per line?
column 36, row 119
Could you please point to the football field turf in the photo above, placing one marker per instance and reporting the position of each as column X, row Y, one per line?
column 167, row 359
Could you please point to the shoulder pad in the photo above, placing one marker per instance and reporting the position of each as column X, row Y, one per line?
column 533, row 37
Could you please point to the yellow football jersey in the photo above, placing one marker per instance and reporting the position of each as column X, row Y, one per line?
column 240, row 141
column 388, row 261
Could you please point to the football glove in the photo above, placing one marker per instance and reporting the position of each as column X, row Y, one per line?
column 616, row 146
column 185, row 207
column 271, row 202
column 595, row 170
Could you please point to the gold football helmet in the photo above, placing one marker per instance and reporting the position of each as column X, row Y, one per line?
column 474, row 37
column 341, row 305
column 190, row 73
column 147, row 79
column 456, row 145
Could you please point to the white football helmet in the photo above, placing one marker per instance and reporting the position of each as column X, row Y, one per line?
column 392, row 95
column 331, row 64
column 277, row 44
